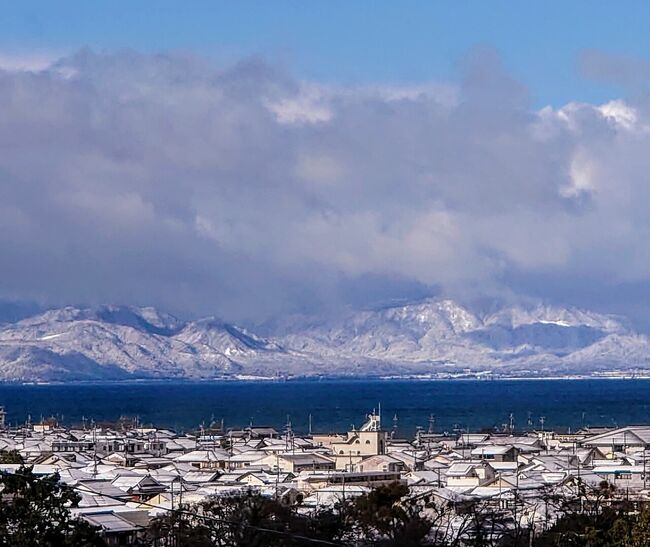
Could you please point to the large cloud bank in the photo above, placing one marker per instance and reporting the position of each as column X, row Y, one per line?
column 248, row 193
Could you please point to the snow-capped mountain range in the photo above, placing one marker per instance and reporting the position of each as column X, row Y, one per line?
column 432, row 337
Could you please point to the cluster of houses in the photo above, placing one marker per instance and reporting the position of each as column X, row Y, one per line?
column 125, row 476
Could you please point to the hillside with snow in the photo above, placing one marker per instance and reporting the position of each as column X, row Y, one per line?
column 432, row 337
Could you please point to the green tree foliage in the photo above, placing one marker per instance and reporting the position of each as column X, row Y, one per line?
column 178, row 528
column 382, row 517
column 245, row 519
column 597, row 518
column 391, row 516
column 385, row 517
column 11, row 456
column 35, row 512
column 640, row 532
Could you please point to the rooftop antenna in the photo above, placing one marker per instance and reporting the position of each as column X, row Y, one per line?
column 512, row 422
column 542, row 419
column 289, row 433
column 432, row 421
column 379, row 416
column 394, row 431
column 418, row 435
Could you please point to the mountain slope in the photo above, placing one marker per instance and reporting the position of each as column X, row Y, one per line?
column 446, row 334
column 428, row 337
column 139, row 343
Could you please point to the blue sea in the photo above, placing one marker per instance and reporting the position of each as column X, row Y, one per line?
column 336, row 405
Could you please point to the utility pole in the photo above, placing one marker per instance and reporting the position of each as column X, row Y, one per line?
column 516, row 496
column 277, row 475
column 94, row 449
column 288, row 431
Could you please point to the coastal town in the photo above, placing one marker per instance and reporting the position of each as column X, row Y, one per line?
column 127, row 474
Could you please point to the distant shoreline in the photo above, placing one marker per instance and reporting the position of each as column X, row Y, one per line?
column 339, row 378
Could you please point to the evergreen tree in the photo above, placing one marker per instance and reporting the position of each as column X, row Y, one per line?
column 35, row 512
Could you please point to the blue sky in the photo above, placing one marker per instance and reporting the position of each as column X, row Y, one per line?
column 354, row 42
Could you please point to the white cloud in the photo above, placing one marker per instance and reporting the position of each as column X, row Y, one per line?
column 309, row 105
column 620, row 113
column 33, row 61
column 581, row 176
column 164, row 180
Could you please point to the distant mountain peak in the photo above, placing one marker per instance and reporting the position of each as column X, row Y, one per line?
column 148, row 319
column 434, row 335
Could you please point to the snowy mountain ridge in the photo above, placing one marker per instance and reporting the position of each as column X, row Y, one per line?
column 431, row 337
